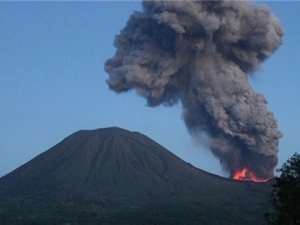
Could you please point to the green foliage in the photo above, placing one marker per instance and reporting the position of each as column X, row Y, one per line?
column 286, row 194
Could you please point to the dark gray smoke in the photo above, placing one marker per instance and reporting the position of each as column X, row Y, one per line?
column 201, row 53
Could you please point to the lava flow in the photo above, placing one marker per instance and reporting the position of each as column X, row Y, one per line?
column 246, row 174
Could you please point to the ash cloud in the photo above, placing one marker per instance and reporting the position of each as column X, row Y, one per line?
column 201, row 53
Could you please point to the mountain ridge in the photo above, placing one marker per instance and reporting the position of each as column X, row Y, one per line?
column 117, row 173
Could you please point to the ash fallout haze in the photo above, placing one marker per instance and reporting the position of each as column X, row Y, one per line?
column 229, row 69
column 201, row 52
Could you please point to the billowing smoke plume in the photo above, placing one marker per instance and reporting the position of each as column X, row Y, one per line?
column 201, row 53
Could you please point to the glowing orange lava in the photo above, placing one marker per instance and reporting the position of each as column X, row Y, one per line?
column 246, row 174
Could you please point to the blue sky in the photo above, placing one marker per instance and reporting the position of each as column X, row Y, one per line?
column 52, row 81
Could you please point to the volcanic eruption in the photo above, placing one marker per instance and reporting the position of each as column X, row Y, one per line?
column 201, row 53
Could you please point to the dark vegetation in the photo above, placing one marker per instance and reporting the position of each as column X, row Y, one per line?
column 286, row 194
column 113, row 176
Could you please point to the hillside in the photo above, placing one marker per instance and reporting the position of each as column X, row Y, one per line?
column 113, row 176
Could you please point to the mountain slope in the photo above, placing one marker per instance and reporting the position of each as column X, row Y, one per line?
column 113, row 176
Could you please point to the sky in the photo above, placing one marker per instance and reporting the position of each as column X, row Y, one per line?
column 52, row 82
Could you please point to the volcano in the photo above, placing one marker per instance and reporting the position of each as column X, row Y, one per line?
column 114, row 176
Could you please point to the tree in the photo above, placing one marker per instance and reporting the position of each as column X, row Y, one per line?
column 285, row 195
